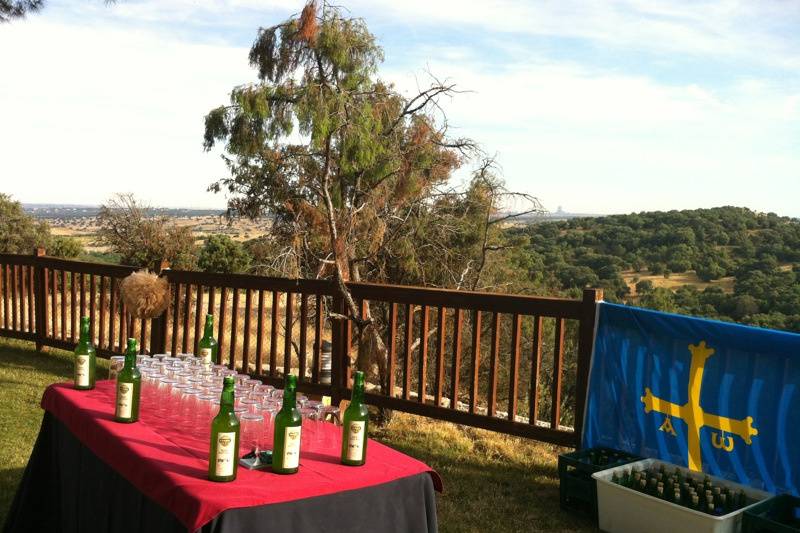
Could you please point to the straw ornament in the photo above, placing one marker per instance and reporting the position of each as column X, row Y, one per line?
column 144, row 294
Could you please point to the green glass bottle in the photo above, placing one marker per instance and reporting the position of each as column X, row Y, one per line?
column 288, row 429
column 207, row 348
column 223, row 457
column 356, row 420
column 85, row 358
column 129, row 386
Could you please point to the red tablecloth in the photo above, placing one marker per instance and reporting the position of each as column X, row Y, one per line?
column 171, row 468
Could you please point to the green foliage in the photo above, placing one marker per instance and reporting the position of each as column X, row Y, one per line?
column 20, row 233
column 16, row 9
column 220, row 253
column 102, row 257
column 63, row 246
column 761, row 251
column 142, row 240
column 660, row 299
column 644, row 287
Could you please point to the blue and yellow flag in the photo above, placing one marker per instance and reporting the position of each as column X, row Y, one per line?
column 715, row 397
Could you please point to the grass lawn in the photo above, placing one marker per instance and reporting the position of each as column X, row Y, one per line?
column 492, row 482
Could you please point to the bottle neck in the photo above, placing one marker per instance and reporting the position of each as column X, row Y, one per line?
column 208, row 332
column 289, row 398
column 226, row 400
column 84, row 338
column 357, row 396
column 130, row 358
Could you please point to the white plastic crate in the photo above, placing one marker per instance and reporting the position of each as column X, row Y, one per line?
column 624, row 510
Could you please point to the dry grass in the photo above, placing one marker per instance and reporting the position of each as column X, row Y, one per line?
column 86, row 229
column 492, row 482
column 676, row 280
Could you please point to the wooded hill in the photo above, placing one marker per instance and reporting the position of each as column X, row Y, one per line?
column 727, row 263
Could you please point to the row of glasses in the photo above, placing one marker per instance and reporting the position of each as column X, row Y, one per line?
column 182, row 393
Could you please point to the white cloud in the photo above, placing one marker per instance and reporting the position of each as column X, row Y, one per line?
column 729, row 29
column 607, row 142
column 92, row 111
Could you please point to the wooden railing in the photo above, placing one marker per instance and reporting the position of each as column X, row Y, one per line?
column 509, row 363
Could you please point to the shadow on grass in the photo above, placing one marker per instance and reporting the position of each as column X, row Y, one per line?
column 22, row 355
column 483, row 492
column 9, row 479
column 508, row 498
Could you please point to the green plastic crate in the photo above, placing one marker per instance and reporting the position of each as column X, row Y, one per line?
column 780, row 514
column 577, row 489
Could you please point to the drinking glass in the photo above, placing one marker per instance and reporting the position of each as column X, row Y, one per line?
column 208, row 407
column 174, row 403
column 264, row 388
column 314, row 404
column 331, row 430
column 250, row 384
column 188, row 415
column 148, row 390
column 251, row 404
column 252, row 429
column 260, row 397
column 163, row 392
column 184, row 375
column 269, row 409
column 311, row 431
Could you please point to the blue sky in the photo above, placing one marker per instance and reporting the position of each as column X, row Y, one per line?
column 600, row 107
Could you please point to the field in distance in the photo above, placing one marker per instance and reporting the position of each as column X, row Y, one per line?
column 80, row 222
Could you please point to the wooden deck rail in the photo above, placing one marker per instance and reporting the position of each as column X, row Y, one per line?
column 509, row 363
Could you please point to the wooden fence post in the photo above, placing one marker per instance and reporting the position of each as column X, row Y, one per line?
column 158, row 326
column 338, row 352
column 585, row 346
column 40, row 299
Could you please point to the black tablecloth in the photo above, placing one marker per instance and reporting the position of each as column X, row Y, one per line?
column 66, row 488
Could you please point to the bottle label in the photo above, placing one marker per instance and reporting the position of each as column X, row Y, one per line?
column 226, row 454
column 82, row 371
column 124, row 399
column 205, row 355
column 355, row 441
column 291, row 447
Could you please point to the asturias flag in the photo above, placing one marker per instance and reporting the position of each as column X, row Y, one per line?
column 716, row 397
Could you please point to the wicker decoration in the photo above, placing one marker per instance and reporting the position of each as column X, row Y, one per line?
column 145, row 294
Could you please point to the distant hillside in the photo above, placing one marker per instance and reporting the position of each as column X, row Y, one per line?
column 728, row 263
column 68, row 211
